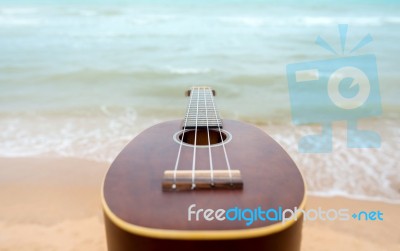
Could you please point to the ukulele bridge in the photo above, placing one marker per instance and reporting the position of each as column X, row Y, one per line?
column 186, row 180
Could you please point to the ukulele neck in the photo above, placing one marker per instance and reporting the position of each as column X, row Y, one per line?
column 202, row 112
column 202, row 129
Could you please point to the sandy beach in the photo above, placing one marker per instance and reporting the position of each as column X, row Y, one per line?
column 51, row 204
column 80, row 79
column 54, row 204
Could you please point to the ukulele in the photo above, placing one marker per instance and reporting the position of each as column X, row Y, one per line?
column 203, row 184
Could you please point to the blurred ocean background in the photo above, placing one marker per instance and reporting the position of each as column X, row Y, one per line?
column 82, row 78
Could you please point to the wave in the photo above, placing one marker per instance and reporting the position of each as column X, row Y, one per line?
column 353, row 196
column 14, row 21
column 251, row 21
column 93, row 75
column 19, row 16
column 188, row 71
column 368, row 174
column 97, row 138
column 139, row 16
column 18, row 11
column 247, row 21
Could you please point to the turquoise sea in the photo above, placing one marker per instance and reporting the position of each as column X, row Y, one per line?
column 81, row 78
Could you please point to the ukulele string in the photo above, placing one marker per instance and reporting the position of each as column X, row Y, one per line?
column 181, row 143
column 208, row 135
column 195, row 141
column 223, row 143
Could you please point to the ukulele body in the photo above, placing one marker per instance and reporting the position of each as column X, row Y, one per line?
column 139, row 215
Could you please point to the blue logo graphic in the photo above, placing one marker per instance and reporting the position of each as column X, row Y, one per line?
column 251, row 215
column 343, row 88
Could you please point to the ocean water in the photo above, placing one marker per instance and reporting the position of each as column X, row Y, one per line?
column 82, row 78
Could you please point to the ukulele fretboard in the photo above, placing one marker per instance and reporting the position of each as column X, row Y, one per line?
column 201, row 111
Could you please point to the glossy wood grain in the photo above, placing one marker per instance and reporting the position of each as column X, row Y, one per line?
column 132, row 187
column 288, row 239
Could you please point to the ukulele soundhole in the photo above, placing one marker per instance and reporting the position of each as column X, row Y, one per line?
column 216, row 137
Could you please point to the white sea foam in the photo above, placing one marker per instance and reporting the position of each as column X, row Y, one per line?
column 17, row 10
column 185, row 71
column 361, row 173
column 99, row 138
column 370, row 174
column 151, row 19
column 19, row 21
column 340, row 193
column 248, row 21
column 261, row 21
column 393, row 20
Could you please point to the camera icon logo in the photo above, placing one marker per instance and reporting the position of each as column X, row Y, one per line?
column 358, row 77
column 343, row 88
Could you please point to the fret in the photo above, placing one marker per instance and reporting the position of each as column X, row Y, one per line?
column 201, row 115
column 202, row 110
column 202, row 126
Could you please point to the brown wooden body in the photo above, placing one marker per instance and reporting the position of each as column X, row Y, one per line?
column 286, row 240
column 140, row 216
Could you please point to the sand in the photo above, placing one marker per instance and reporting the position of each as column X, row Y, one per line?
column 54, row 204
